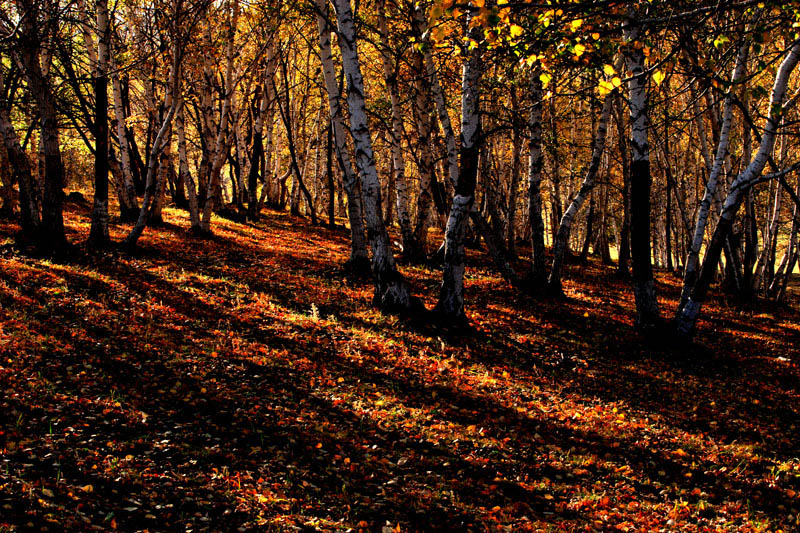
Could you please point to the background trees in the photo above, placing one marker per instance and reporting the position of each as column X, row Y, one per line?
column 643, row 127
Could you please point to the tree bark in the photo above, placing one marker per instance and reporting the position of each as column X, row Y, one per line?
column 450, row 306
column 183, row 171
column 391, row 290
column 535, row 160
column 693, row 257
column 51, row 237
column 359, row 258
column 30, row 218
column 647, row 313
column 686, row 317
column 128, row 203
column 513, row 186
column 411, row 247
column 217, row 155
column 98, row 233
column 561, row 245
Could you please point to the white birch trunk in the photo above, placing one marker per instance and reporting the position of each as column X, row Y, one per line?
column 183, row 170
column 686, row 318
column 391, row 291
column 217, row 157
column 22, row 168
column 561, row 244
column 692, row 258
column 535, row 160
column 128, row 197
column 155, row 151
column 647, row 313
column 98, row 234
column 426, row 166
column 438, row 96
column 359, row 258
column 450, row 306
column 410, row 243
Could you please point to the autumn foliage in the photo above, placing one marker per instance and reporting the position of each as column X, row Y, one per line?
column 244, row 383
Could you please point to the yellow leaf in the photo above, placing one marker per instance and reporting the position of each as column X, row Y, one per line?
column 545, row 78
column 595, row 36
column 515, row 30
column 575, row 24
column 608, row 70
column 658, row 77
column 616, row 82
column 579, row 49
column 604, row 87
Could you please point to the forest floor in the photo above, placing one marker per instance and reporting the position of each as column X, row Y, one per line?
column 245, row 383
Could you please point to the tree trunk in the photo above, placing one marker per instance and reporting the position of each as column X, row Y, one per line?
column 693, row 258
column 686, row 318
column 30, row 218
column 217, row 155
column 647, row 314
column 359, row 258
column 426, row 164
column 391, row 291
column 98, row 234
column 513, row 186
column 535, row 159
column 155, row 151
column 183, row 171
column 450, row 306
column 624, row 245
column 561, row 245
column 51, row 236
column 128, row 204
column 256, row 149
column 557, row 209
column 411, row 247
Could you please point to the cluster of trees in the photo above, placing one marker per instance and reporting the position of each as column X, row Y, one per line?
column 634, row 126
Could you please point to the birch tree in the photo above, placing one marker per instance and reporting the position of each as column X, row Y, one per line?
column 33, row 28
column 535, row 163
column 450, row 306
column 411, row 246
column 686, row 317
column 647, row 313
column 21, row 168
column 716, row 168
column 359, row 258
column 391, row 290
column 98, row 234
column 561, row 244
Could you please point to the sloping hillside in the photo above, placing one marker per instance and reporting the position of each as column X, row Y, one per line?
column 244, row 383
